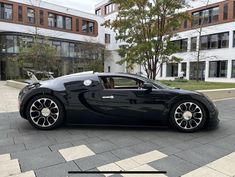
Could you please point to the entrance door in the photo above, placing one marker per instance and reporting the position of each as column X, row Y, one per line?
column 193, row 70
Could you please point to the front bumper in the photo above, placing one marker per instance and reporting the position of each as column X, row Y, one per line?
column 213, row 121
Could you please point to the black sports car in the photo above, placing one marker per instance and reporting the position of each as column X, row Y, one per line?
column 114, row 99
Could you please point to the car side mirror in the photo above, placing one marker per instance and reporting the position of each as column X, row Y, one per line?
column 148, row 86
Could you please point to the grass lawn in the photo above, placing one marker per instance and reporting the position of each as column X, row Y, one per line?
column 194, row 85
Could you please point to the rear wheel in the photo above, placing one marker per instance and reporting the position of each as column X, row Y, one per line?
column 188, row 116
column 45, row 112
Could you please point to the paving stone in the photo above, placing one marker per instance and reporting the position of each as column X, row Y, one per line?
column 12, row 148
column 25, row 174
column 6, row 142
column 124, row 153
column 96, row 161
column 77, row 152
column 57, row 147
column 202, row 155
column 10, row 167
column 102, row 146
column 173, row 165
column 60, row 170
column 5, row 157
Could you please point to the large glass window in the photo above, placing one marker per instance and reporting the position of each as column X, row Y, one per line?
column 110, row 8
column 181, row 45
column 6, row 11
column 215, row 41
column 59, row 21
column 51, row 20
column 205, row 16
column 233, row 69
column 65, row 49
column 31, row 16
column 193, row 43
column 225, row 11
column 20, row 13
column 184, row 68
column 223, row 40
column 87, row 26
column 68, row 23
column 204, row 42
column 172, row 70
column 218, row 68
column 57, row 46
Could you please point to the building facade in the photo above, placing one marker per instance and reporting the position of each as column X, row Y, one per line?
column 77, row 36
column 217, row 42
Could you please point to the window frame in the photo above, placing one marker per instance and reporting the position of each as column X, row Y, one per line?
column 31, row 11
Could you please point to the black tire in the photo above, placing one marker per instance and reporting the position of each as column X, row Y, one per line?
column 56, row 113
column 175, row 120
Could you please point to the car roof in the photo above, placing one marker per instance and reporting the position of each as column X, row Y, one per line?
column 122, row 75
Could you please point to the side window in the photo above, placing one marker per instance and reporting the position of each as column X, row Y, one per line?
column 121, row 83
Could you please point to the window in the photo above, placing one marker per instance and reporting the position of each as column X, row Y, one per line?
column 71, row 50
column 107, row 38
column 215, row 41
column 121, row 83
column 218, row 68
column 193, row 43
column 184, row 68
column 185, row 23
column 109, row 69
column 68, row 23
column 65, row 49
column 109, row 8
column 77, row 25
column 51, row 20
column 41, row 17
column 233, row 9
column 87, row 27
column 31, row 16
column 57, row 46
column 20, row 14
column 205, row 16
column 172, row 70
column 233, row 69
column 233, row 38
column 59, row 21
column 98, row 12
column 181, row 45
column 225, row 11
column 215, row 14
column 6, row 11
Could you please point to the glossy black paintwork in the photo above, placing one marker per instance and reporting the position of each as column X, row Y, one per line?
column 85, row 105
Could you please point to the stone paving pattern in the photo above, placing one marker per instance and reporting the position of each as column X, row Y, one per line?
column 39, row 150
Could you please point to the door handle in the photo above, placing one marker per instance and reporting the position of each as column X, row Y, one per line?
column 108, row 97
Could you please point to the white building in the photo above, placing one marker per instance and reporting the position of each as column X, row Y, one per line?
column 77, row 36
column 217, row 58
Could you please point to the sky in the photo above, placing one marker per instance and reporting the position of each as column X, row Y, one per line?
column 83, row 5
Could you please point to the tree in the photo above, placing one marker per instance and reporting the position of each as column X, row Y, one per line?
column 146, row 28
column 39, row 55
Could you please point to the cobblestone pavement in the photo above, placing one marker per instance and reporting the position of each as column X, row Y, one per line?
column 30, row 152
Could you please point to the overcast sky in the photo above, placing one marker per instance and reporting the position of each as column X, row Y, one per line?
column 83, row 5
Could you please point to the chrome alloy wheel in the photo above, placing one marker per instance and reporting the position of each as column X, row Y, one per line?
column 188, row 115
column 44, row 112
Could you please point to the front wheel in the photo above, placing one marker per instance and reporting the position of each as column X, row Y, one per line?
column 45, row 112
column 188, row 116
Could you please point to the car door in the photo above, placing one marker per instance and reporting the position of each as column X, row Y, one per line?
column 130, row 104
